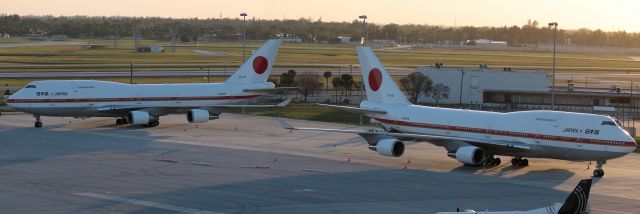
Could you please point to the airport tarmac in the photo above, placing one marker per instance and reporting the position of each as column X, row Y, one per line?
column 247, row 164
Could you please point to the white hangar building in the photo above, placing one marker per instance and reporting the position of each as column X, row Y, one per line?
column 477, row 86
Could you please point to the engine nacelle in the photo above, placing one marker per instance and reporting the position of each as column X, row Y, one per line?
column 389, row 147
column 470, row 155
column 199, row 116
column 138, row 117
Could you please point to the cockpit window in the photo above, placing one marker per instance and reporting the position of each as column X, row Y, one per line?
column 609, row 123
column 31, row 86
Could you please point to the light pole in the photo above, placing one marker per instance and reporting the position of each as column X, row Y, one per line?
column 366, row 30
column 244, row 33
column 553, row 81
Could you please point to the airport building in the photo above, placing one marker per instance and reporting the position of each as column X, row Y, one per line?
column 475, row 86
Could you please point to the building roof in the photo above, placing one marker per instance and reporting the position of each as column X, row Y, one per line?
column 564, row 92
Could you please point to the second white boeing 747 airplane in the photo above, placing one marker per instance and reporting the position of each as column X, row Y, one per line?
column 475, row 137
column 143, row 104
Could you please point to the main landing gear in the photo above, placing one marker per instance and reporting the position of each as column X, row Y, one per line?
column 153, row 123
column 38, row 123
column 599, row 172
column 491, row 161
column 121, row 121
column 518, row 161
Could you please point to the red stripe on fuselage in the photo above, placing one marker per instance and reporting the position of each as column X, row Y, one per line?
column 129, row 99
column 510, row 133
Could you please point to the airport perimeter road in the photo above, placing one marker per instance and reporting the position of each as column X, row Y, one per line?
column 242, row 164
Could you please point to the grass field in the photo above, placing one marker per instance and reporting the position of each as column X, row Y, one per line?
column 305, row 111
column 42, row 57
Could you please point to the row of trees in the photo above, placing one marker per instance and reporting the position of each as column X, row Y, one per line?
column 308, row 30
column 415, row 85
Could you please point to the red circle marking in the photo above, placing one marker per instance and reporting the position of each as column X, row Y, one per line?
column 375, row 79
column 260, row 64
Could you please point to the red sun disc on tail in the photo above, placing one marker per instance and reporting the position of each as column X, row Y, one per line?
column 375, row 79
column 260, row 64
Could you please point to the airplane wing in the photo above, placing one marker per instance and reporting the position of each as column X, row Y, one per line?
column 353, row 109
column 169, row 108
column 514, row 146
column 271, row 90
column 279, row 105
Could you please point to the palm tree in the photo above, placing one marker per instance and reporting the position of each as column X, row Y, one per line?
column 327, row 75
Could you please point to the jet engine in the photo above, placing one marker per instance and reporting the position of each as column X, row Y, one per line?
column 389, row 147
column 199, row 116
column 138, row 117
column 470, row 155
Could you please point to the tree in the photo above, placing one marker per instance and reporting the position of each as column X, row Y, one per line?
column 337, row 85
column 440, row 91
column 273, row 80
column 288, row 79
column 308, row 85
column 327, row 75
column 347, row 83
column 416, row 84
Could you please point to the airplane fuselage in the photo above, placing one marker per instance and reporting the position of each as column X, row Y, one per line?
column 86, row 98
column 549, row 134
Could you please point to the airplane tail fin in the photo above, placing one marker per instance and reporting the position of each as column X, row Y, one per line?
column 258, row 67
column 577, row 201
column 379, row 84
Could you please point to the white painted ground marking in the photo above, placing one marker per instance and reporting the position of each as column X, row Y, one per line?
column 145, row 203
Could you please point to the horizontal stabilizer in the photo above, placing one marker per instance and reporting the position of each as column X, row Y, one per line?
column 353, row 109
column 271, row 90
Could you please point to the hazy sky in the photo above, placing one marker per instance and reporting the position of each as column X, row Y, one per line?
column 570, row 14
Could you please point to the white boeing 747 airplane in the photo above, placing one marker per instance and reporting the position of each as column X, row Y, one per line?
column 475, row 137
column 143, row 104
column 576, row 203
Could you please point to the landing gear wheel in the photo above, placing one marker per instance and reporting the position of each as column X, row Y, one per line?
column 492, row 162
column 121, row 121
column 153, row 123
column 519, row 162
column 598, row 173
column 38, row 123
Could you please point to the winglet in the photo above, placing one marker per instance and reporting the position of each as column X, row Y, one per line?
column 284, row 103
column 284, row 124
column 578, row 199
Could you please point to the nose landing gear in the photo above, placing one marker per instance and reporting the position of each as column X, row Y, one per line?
column 38, row 123
column 599, row 172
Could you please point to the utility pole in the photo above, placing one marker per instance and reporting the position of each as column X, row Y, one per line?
column 115, row 36
column 553, row 82
column 131, row 73
column 174, row 33
column 244, row 33
column 366, row 29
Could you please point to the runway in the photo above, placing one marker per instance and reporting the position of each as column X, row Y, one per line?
column 247, row 164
